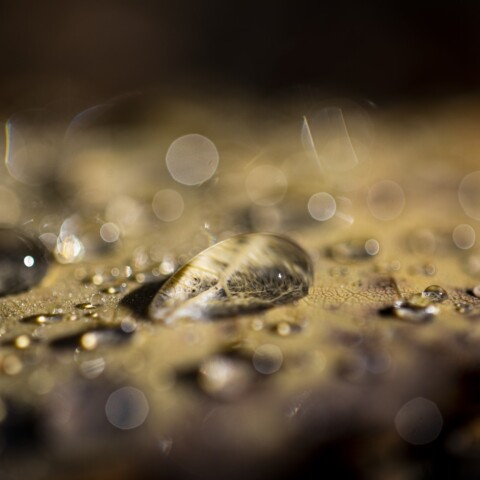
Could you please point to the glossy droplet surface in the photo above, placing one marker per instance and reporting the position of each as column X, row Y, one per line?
column 23, row 261
column 240, row 274
column 435, row 293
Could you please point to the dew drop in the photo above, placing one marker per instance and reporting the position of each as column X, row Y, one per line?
column 43, row 318
column 415, row 310
column 435, row 293
column 241, row 274
column 23, row 261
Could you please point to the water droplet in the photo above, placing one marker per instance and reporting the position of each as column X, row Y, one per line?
column 419, row 421
column 464, row 236
column 386, row 200
column 43, row 318
column 192, row 159
column 168, row 205
column 225, row 377
column 476, row 291
column 266, row 185
column 416, row 310
column 114, row 289
column 127, row 408
column 93, row 338
column 240, row 274
column 435, row 293
column 267, row 359
column 23, row 261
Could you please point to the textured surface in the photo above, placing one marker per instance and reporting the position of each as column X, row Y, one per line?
column 342, row 378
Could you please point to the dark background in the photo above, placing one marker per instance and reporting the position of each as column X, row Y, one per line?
column 97, row 49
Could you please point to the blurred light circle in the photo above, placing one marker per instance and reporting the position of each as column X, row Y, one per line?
column 267, row 359
column 372, row 247
column 419, row 421
column 109, row 232
column 168, row 205
column 386, row 200
column 464, row 236
column 192, row 159
column 127, row 408
column 322, row 206
column 266, row 185
column 469, row 194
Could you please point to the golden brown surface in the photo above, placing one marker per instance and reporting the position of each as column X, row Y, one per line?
column 290, row 391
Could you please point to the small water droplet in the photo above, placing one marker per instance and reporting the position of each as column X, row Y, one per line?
column 43, row 318
column 435, row 293
column 114, row 289
column 237, row 275
column 417, row 309
column 86, row 306
column 23, row 261
column 92, row 339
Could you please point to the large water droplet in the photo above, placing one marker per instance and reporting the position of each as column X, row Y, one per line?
column 23, row 261
column 240, row 274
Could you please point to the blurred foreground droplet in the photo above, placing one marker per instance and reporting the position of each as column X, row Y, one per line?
column 419, row 421
column 127, row 408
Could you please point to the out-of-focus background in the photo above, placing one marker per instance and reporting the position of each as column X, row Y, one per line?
column 91, row 50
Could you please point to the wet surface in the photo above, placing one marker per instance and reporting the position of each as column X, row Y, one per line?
column 167, row 333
